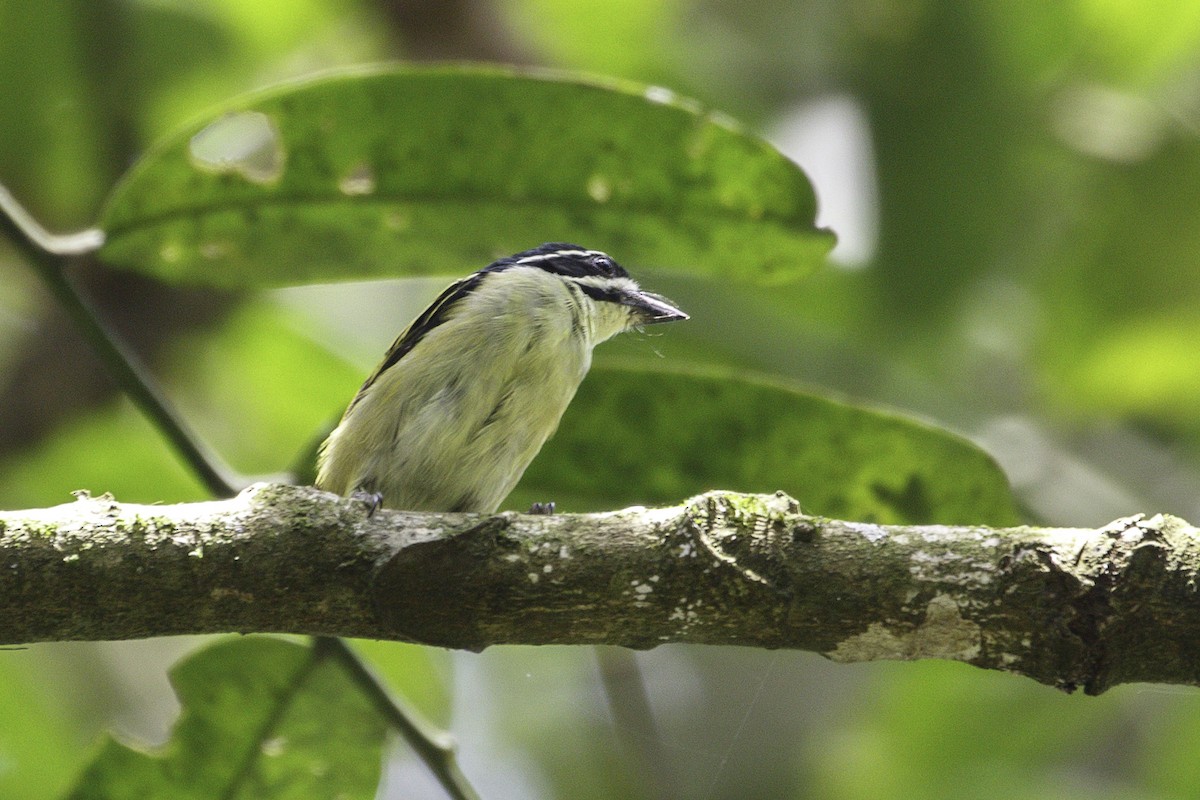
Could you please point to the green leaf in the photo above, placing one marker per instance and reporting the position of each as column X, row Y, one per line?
column 411, row 170
column 634, row 436
column 262, row 718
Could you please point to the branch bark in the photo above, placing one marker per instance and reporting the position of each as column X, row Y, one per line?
column 1067, row 607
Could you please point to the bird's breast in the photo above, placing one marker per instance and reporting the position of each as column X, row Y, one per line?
column 481, row 417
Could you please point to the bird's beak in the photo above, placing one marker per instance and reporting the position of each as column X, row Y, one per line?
column 650, row 308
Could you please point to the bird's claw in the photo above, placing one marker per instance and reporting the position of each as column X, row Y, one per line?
column 373, row 500
column 542, row 508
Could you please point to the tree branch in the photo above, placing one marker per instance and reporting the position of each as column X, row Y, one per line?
column 1067, row 607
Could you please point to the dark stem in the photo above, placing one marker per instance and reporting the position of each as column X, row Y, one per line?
column 49, row 254
column 434, row 747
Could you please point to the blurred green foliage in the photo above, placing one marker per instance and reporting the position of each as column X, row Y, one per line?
column 261, row 718
column 1033, row 283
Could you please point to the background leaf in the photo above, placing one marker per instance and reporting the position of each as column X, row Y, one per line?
column 261, row 718
column 642, row 437
column 1018, row 181
column 411, row 170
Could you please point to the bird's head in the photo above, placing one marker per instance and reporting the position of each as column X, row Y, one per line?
column 619, row 302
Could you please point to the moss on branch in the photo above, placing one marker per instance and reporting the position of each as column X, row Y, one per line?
column 1068, row 607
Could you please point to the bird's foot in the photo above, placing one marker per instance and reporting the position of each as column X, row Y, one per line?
column 373, row 500
column 542, row 508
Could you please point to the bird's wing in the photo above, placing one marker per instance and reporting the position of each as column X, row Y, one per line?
column 430, row 318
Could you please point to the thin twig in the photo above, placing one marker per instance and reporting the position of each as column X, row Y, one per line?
column 434, row 747
column 49, row 254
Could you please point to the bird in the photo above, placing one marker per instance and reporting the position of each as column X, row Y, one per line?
column 470, row 391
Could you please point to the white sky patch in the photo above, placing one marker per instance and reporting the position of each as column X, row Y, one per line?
column 830, row 138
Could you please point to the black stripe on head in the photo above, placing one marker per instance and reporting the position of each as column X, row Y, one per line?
column 564, row 258
column 608, row 294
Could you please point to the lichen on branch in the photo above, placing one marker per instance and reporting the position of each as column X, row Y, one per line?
column 1068, row 607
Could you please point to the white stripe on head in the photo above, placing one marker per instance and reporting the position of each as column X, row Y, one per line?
column 605, row 282
column 557, row 254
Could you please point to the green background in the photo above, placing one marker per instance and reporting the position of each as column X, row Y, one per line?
column 1014, row 185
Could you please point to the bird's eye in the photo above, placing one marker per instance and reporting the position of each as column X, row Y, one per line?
column 602, row 264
